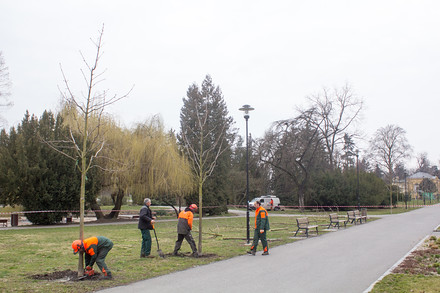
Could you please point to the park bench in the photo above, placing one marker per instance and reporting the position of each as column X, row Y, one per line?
column 303, row 224
column 354, row 217
column 335, row 221
column 364, row 214
column 4, row 222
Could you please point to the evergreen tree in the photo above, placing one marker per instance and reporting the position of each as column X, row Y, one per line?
column 206, row 137
column 36, row 176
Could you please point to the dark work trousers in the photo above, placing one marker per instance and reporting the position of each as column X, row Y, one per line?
column 188, row 238
column 100, row 259
column 259, row 236
column 146, row 242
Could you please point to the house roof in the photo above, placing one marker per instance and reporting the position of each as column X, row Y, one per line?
column 421, row 175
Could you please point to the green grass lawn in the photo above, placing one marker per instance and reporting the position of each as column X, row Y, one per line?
column 27, row 252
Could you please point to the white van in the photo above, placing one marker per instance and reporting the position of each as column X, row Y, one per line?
column 265, row 202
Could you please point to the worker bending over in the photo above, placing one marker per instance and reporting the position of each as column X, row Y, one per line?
column 96, row 249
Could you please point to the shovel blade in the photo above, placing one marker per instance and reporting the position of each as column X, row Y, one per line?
column 161, row 254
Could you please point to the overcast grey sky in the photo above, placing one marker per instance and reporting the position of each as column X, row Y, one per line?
column 269, row 54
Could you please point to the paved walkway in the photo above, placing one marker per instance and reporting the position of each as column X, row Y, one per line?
column 349, row 260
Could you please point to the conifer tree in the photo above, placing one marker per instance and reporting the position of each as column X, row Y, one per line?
column 206, row 136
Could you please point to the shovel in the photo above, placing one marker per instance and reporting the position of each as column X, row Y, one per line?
column 161, row 254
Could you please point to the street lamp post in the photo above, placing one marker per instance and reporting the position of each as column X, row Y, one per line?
column 246, row 109
column 357, row 188
column 406, row 195
column 357, row 174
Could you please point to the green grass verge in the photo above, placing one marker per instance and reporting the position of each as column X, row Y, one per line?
column 397, row 283
column 26, row 252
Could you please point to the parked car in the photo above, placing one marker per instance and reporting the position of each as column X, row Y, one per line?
column 265, row 202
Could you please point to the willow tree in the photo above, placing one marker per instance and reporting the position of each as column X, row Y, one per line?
column 145, row 161
column 87, row 105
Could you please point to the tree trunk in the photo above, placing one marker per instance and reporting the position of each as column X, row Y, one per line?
column 119, row 196
column 200, row 214
column 301, row 197
column 97, row 209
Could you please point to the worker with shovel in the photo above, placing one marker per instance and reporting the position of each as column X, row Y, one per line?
column 96, row 249
column 184, row 227
column 146, row 223
column 261, row 226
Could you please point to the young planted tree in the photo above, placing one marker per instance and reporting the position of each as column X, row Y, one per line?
column 205, row 134
column 87, row 112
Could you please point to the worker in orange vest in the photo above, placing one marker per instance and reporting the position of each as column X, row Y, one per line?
column 96, row 249
column 261, row 226
column 184, row 227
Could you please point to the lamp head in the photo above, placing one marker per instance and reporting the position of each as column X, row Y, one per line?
column 246, row 109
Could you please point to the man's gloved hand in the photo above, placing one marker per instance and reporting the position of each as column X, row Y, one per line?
column 89, row 271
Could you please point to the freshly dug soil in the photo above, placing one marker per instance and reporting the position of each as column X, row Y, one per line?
column 188, row 254
column 63, row 276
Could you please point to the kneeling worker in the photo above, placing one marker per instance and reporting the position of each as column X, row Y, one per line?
column 184, row 227
column 261, row 226
column 96, row 249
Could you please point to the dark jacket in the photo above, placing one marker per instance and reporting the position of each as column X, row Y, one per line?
column 145, row 217
column 184, row 224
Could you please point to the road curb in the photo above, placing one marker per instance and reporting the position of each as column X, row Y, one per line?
column 396, row 264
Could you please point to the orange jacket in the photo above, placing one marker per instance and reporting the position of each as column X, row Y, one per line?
column 185, row 222
column 93, row 245
column 261, row 219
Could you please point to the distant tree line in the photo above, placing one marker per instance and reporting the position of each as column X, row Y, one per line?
column 309, row 160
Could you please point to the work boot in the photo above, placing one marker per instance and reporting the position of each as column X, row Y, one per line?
column 251, row 252
column 143, row 255
column 195, row 254
column 265, row 253
column 107, row 276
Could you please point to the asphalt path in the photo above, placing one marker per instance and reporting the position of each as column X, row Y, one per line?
column 349, row 260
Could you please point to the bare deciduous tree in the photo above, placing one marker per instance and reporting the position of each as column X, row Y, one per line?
column 85, row 122
column 389, row 147
column 423, row 163
column 5, row 85
column 291, row 147
column 334, row 111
